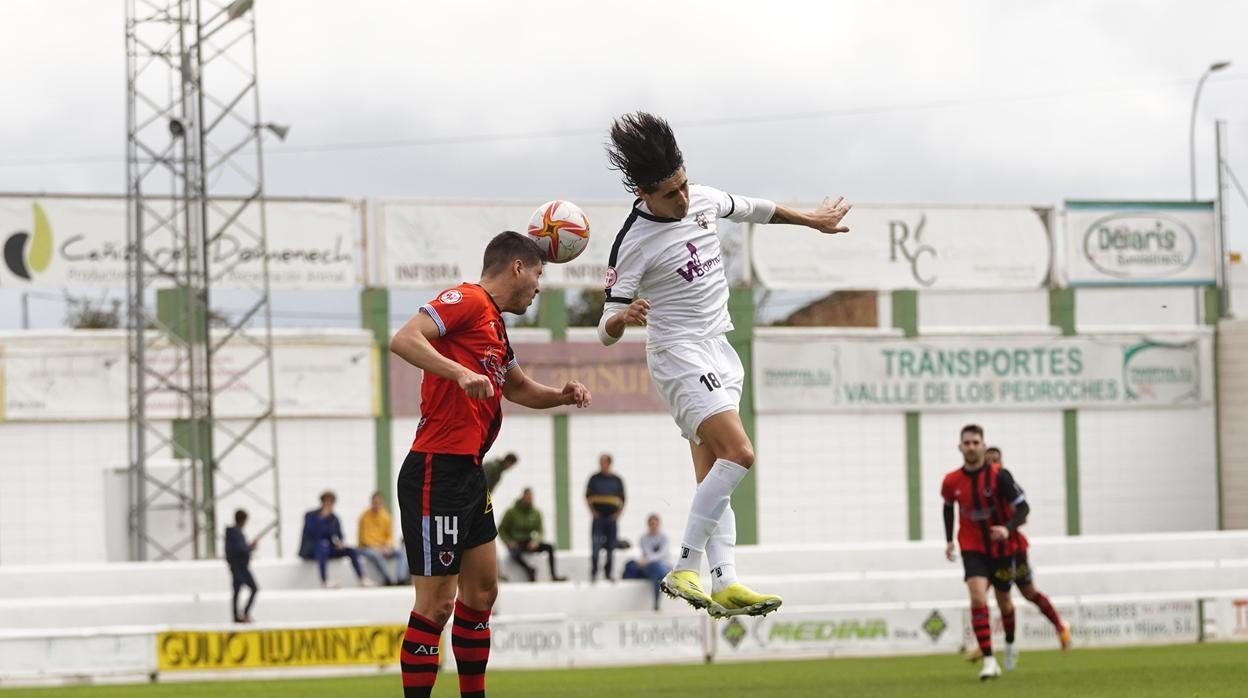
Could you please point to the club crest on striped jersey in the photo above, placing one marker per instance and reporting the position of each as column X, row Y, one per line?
column 451, row 297
column 494, row 367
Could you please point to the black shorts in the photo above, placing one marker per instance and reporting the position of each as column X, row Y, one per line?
column 444, row 509
column 1001, row 571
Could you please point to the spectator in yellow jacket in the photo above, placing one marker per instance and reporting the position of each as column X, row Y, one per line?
column 377, row 542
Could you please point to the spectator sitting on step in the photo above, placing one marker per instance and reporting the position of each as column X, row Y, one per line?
column 322, row 541
column 521, row 531
column 376, row 534
column 654, row 563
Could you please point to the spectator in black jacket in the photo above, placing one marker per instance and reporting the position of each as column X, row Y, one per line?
column 238, row 556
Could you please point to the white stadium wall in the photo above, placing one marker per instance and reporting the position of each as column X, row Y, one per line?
column 943, row 311
column 831, row 477
column 64, row 500
column 1140, row 306
column 1148, row 470
column 651, row 458
column 1032, row 446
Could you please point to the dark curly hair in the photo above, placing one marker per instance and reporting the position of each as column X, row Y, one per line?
column 643, row 149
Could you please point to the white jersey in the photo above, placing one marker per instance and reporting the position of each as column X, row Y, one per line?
column 678, row 265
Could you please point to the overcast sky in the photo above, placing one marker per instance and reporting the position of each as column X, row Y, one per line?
column 886, row 102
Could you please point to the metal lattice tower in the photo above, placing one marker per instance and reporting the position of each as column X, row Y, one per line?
column 203, row 439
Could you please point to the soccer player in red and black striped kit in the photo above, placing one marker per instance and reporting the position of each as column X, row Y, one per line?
column 991, row 507
column 460, row 342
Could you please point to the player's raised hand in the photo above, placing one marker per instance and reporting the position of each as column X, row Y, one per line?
column 574, row 393
column 477, row 386
column 636, row 312
column 827, row 218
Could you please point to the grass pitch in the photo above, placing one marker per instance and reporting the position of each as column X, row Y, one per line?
column 1203, row 671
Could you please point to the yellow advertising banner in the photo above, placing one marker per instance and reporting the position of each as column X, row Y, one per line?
column 179, row 650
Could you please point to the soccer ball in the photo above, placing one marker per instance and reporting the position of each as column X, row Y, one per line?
column 561, row 229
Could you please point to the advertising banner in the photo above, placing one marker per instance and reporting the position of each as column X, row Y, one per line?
column 81, row 241
column 616, row 376
column 911, row 247
column 1125, row 243
column 856, row 375
column 1230, row 616
column 440, row 244
column 1104, row 624
column 77, row 378
column 520, row 644
column 183, row 650
column 831, row 632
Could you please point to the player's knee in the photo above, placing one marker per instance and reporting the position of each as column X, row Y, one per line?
column 741, row 454
column 440, row 611
column 482, row 599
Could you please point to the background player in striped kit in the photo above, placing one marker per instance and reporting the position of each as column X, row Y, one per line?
column 991, row 507
column 666, row 272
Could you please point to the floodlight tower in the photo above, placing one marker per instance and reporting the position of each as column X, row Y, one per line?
column 202, row 436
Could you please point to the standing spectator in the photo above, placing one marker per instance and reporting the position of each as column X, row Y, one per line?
column 604, row 494
column 521, row 530
column 322, row 541
column 495, row 468
column 238, row 557
column 376, row 534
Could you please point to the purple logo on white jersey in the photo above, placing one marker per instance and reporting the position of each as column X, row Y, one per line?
column 695, row 267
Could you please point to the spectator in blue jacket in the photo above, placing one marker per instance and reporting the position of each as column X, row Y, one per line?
column 322, row 541
column 238, row 557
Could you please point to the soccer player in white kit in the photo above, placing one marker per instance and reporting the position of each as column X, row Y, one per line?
column 666, row 273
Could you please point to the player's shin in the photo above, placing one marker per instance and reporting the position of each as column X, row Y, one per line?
column 418, row 658
column 470, row 641
column 983, row 629
column 709, row 502
column 721, row 551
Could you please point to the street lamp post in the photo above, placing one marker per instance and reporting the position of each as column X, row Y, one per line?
column 1192, row 131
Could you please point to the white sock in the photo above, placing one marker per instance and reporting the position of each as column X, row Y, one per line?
column 709, row 502
column 721, row 551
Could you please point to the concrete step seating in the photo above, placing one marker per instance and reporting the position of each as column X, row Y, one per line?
column 1201, row 566
column 210, row 576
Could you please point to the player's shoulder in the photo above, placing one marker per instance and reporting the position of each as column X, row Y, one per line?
column 628, row 240
column 706, row 191
column 464, row 294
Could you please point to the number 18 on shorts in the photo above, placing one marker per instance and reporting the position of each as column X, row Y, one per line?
column 697, row 380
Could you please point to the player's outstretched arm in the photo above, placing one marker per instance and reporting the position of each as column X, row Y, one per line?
column 411, row 343
column 523, row 390
column 826, row 219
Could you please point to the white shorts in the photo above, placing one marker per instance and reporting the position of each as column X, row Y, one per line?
column 697, row 380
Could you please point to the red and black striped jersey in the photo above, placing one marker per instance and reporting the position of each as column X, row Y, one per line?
column 985, row 498
column 472, row 334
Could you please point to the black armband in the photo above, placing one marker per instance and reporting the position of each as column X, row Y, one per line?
column 948, row 522
column 1019, row 517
